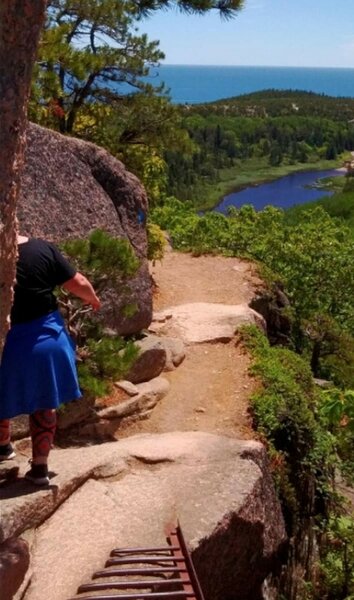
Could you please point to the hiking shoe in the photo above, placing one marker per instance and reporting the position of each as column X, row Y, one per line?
column 7, row 452
column 38, row 474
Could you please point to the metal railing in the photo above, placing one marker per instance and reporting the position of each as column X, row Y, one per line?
column 152, row 573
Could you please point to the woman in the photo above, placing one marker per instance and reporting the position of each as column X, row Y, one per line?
column 37, row 371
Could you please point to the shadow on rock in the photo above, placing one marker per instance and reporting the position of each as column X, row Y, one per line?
column 22, row 487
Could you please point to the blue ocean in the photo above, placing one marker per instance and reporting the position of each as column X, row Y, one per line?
column 195, row 84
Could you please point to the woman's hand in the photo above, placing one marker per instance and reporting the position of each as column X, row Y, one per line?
column 95, row 303
column 80, row 286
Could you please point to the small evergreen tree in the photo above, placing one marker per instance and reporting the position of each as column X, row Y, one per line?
column 108, row 262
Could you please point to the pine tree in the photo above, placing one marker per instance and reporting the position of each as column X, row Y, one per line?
column 90, row 53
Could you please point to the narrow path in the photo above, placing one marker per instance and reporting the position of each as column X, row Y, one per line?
column 210, row 391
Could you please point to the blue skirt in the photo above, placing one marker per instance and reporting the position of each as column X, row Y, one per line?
column 38, row 368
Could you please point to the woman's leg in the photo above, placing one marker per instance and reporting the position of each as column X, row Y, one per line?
column 42, row 427
column 6, row 450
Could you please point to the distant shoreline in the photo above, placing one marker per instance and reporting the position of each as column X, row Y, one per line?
column 169, row 65
column 199, row 84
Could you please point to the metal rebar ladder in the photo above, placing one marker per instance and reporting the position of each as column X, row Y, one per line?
column 152, row 573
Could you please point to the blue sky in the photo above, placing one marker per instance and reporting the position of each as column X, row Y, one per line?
column 310, row 33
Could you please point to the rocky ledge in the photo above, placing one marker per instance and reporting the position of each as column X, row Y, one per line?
column 123, row 493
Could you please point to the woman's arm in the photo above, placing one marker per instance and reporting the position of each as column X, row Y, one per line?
column 82, row 288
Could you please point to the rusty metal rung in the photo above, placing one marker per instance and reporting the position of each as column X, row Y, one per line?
column 139, row 596
column 173, row 567
column 143, row 550
column 120, row 585
column 147, row 571
column 143, row 559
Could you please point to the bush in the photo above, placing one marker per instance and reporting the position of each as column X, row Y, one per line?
column 337, row 560
column 156, row 242
column 104, row 360
column 311, row 258
column 107, row 262
column 285, row 413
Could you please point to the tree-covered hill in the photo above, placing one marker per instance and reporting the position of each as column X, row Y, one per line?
column 282, row 102
column 265, row 129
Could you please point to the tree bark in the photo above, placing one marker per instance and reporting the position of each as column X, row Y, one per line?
column 20, row 25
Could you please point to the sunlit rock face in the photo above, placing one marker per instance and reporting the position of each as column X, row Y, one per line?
column 71, row 187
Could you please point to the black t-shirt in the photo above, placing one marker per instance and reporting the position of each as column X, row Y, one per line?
column 40, row 268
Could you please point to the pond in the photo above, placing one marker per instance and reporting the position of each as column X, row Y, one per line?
column 284, row 192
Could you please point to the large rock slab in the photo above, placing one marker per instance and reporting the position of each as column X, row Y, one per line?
column 201, row 322
column 219, row 488
column 69, row 188
column 24, row 506
column 76, row 541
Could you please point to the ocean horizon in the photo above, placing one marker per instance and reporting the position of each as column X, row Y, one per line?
column 193, row 84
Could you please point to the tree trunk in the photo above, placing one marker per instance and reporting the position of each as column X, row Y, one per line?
column 20, row 25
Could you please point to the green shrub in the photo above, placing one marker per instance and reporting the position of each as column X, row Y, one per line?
column 285, row 413
column 107, row 262
column 104, row 360
column 337, row 412
column 103, row 257
column 311, row 258
column 156, row 242
column 337, row 560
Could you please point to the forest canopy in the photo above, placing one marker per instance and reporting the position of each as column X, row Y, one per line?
column 91, row 80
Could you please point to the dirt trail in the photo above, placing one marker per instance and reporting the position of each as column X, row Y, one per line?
column 210, row 390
